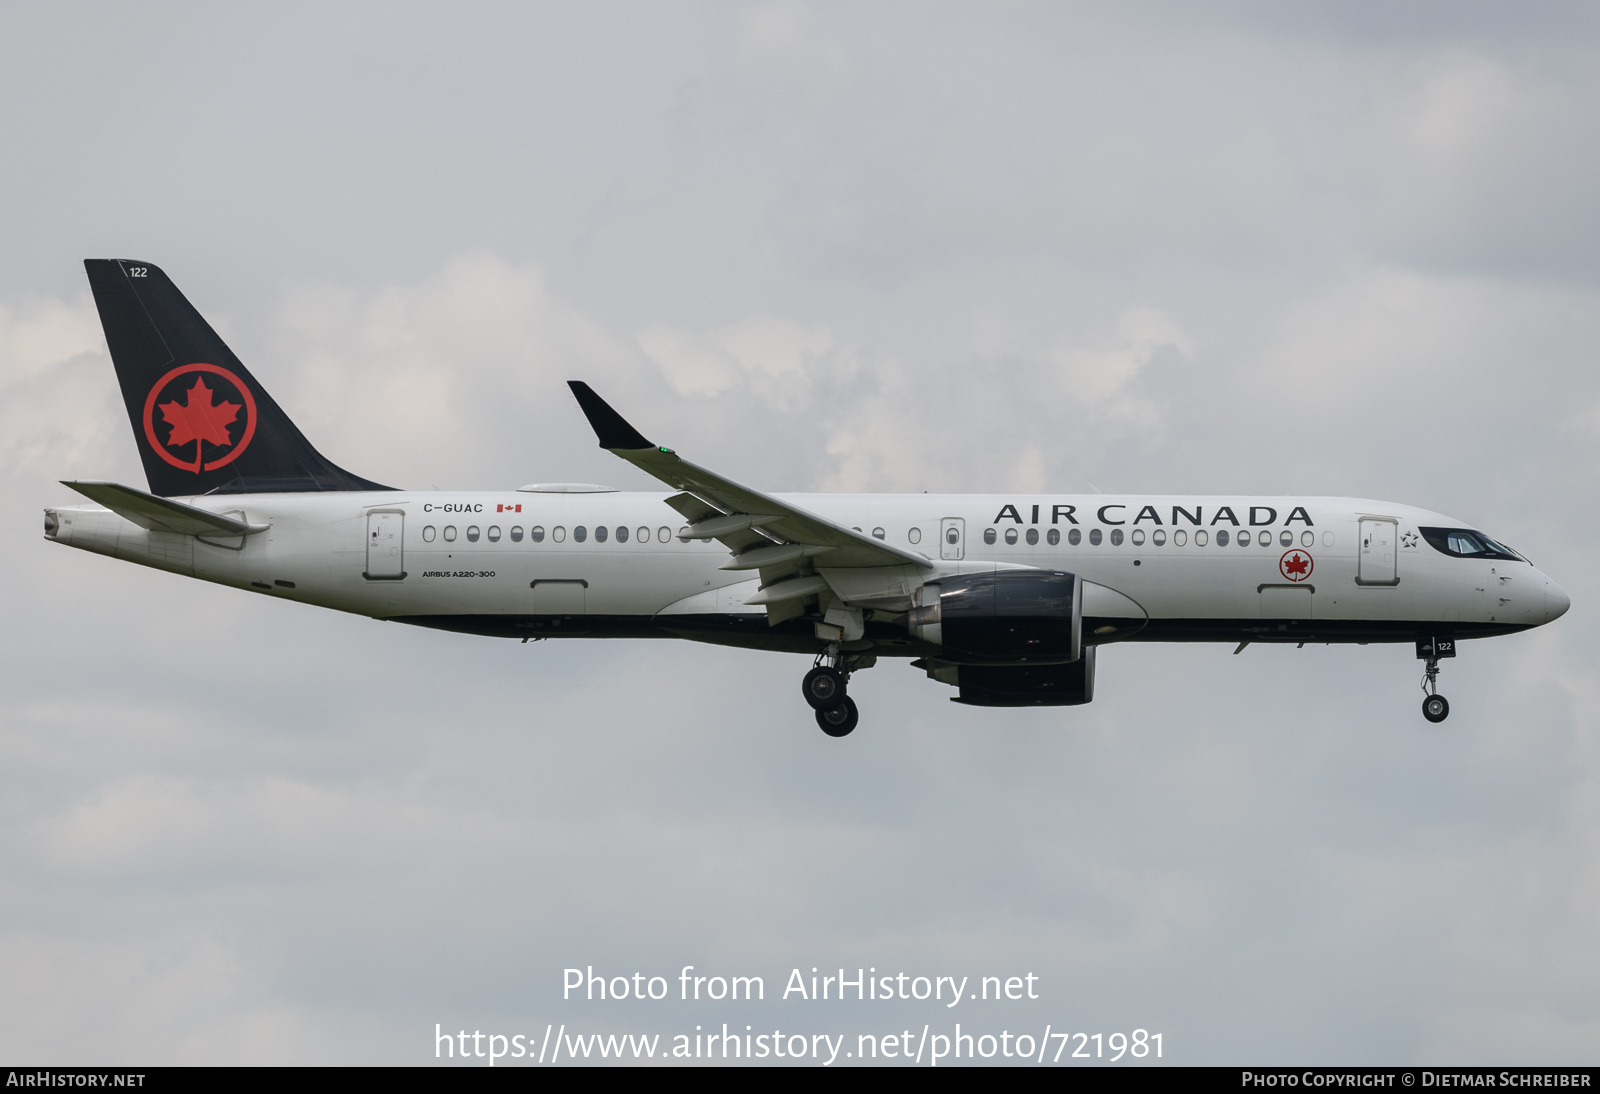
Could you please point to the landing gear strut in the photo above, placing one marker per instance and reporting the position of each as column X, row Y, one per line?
column 824, row 688
column 1435, row 707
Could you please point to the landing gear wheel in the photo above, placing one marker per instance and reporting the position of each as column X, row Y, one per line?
column 823, row 688
column 1435, row 708
column 840, row 720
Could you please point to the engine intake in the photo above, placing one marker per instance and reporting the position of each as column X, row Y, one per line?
column 1012, row 617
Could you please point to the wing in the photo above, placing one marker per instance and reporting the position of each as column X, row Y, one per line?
column 786, row 544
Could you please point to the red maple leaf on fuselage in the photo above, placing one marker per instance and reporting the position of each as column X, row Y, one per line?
column 199, row 418
column 1295, row 565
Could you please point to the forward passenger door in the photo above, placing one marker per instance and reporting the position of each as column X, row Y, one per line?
column 1376, row 540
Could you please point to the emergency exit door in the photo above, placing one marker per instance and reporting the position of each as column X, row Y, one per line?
column 385, row 533
column 952, row 537
column 1376, row 541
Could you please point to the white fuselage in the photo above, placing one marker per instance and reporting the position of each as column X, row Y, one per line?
column 537, row 564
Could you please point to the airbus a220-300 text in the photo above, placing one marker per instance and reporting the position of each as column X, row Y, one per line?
column 1006, row 598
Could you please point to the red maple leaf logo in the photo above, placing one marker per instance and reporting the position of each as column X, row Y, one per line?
column 1295, row 565
column 199, row 418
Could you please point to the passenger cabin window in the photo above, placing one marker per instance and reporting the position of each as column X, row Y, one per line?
column 988, row 535
column 494, row 533
column 1286, row 539
column 642, row 535
column 1138, row 537
column 1116, row 537
column 1179, row 538
column 472, row 533
column 878, row 533
column 428, row 534
column 663, row 535
column 599, row 533
column 1158, row 537
column 1053, row 536
column 1200, row 538
column 1465, row 543
column 1222, row 537
column 1011, row 535
column 914, row 536
column 622, row 534
column 449, row 533
column 580, row 533
column 559, row 534
column 1094, row 537
column 1307, row 539
column 536, row 533
column 1074, row 537
column 516, row 533
column 1033, row 537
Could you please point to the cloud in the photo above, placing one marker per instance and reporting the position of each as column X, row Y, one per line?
column 474, row 359
column 779, row 361
column 1478, row 158
column 52, row 419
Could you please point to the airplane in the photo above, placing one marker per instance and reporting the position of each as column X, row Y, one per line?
column 1007, row 598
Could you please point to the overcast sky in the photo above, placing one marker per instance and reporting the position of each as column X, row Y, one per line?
column 1309, row 249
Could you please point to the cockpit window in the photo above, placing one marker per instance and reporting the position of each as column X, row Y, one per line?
column 1465, row 543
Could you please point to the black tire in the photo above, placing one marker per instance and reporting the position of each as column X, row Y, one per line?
column 1436, row 708
column 823, row 688
column 839, row 721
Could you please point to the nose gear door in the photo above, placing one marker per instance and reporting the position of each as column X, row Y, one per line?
column 952, row 538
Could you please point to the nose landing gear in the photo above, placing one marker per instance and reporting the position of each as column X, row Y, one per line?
column 824, row 688
column 1435, row 707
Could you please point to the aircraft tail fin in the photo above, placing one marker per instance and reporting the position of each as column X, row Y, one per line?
column 202, row 423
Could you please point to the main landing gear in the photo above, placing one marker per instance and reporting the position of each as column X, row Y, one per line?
column 824, row 690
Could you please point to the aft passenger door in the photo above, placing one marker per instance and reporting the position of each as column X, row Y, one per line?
column 952, row 538
column 385, row 534
column 1377, row 543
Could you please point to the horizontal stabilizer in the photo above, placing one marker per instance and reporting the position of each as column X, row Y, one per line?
column 162, row 514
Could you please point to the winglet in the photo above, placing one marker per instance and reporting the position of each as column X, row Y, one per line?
column 612, row 429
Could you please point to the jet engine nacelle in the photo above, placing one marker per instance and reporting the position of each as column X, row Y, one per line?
column 1007, row 618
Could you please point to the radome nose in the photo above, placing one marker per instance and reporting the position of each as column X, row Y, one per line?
column 1556, row 602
